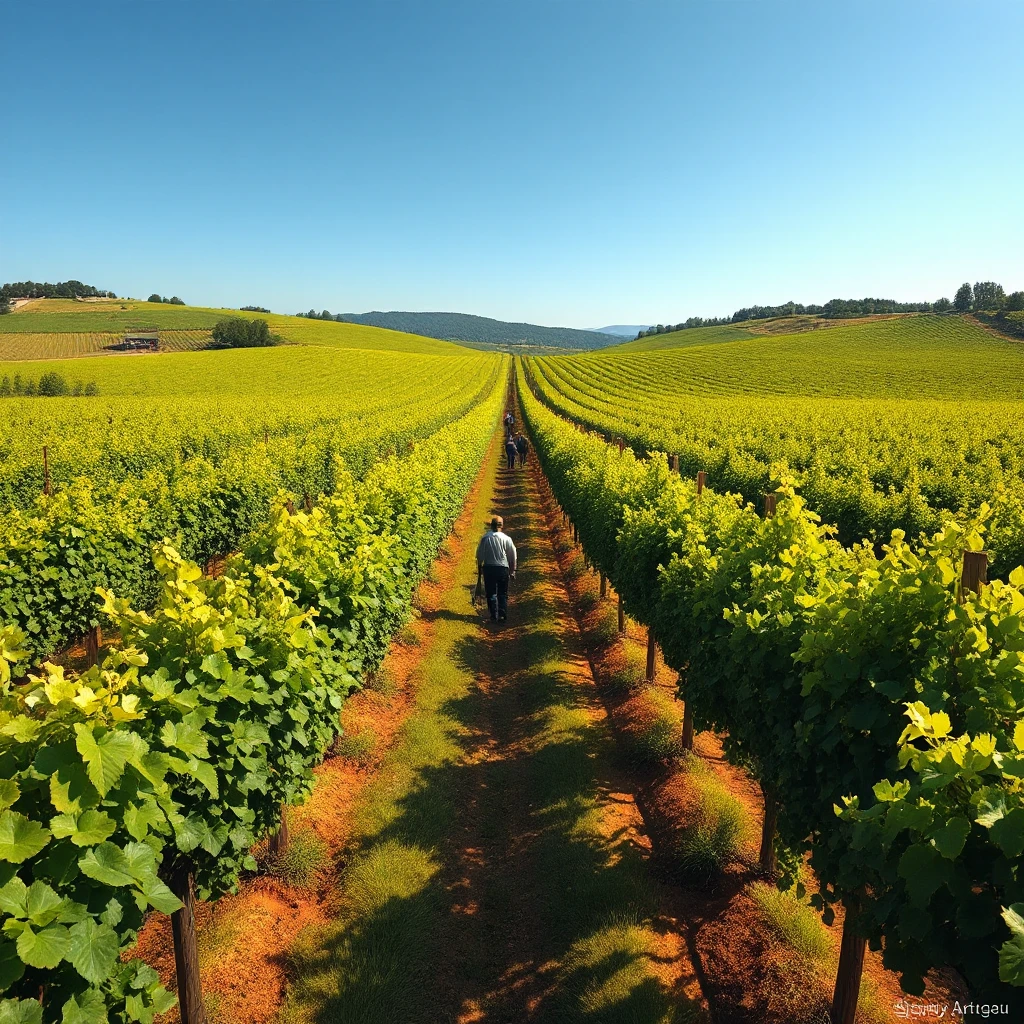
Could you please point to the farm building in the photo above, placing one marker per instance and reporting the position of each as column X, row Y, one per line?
column 145, row 340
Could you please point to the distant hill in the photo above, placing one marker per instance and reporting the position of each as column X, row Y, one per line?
column 623, row 330
column 482, row 330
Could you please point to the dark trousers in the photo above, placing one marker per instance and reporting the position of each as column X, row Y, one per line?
column 496, row 589
column 511, row 458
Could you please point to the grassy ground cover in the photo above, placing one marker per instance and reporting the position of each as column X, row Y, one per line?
column 498, row 872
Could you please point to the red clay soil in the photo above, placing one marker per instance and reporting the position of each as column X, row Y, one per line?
column 244, row 939
column 747, row 975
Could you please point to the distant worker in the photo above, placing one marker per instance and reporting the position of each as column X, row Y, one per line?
column 510, row 424
column 496, row 559
column 510, row 451
column 522, row 446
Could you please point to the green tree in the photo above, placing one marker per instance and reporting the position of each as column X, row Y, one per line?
column 963, row 298
column 175, row 301
column 988, row 296
column 942, row 305
column 1014, row 302
column 53, row 384
column 234, row 332
column 5, row 305
column 154, row 298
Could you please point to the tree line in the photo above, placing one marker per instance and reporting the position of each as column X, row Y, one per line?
column 172, row 301
column 50, row 385
column 984, row 296
column 45, row 290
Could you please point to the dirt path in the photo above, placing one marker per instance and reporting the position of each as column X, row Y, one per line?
column 498, row 869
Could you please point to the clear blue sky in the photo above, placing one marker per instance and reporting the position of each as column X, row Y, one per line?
column 564, row 162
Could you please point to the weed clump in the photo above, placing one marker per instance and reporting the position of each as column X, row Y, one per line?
column 359, row 747
column 631, row 675
column 605, row 630
column 710, row 840
column 382, row 680
column 408, row 636
column 793, row 921
column 302, row 861
column 655, row 730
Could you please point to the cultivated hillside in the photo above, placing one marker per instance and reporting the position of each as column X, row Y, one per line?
column 61, row 328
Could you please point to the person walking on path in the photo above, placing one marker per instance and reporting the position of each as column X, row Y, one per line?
column 510, row 451
column 496, row 560
column 522, row 446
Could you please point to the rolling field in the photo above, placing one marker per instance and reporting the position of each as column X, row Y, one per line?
column 884, row 424
column 58, row 318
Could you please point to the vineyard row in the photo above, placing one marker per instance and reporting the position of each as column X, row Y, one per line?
column 876, row 697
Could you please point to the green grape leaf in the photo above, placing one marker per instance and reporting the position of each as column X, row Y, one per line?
column 159, row 896
column 106, row 863
column 949, row 839
column 94, row 950
column 139, row 820
column 21, row 1011
column 1011, row 954
column 42, row 904
column 12, row 967
column 87, row 1008
column 20, row 838
column 1008, row 833
column 9, row 792
column 14, row 898
column 105, row 757
column 991, row 808
column 86, row 829
column 924, row 871
column 45, row 948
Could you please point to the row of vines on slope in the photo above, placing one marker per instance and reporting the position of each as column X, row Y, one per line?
column 877, row 702
column 865, row 465
column 205, row 497
column 126, row 786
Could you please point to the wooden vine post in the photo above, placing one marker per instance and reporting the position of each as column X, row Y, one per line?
column 769, row 506
column 687, row 737
column 186, row 953
column 701, row 481
column 974, row 573
column 290, row 505
column 307, row 501
column 278, row 843
column 46, row 471
column 848, row 976
column 93, row 643
column 766, row 857
column 673, row 463
column 622, row 616
column 652, row 652
column 622, row 445
column 604, row 585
